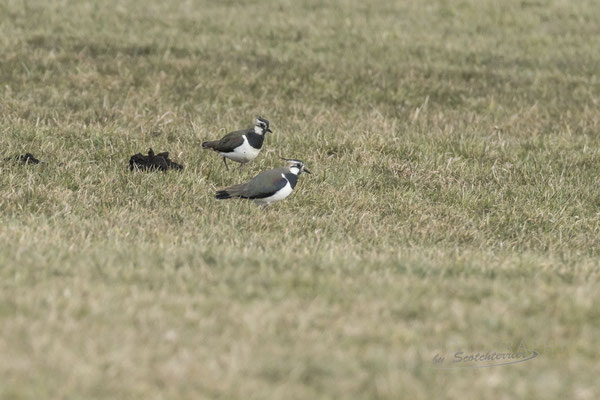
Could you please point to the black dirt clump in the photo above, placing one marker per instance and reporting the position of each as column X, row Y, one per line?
column 26, row 158
column 153, row 162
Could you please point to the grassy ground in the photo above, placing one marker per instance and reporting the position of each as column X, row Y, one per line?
column 453, row 204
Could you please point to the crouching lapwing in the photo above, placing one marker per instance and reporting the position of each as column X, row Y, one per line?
column 269, row 186
column 241, row 146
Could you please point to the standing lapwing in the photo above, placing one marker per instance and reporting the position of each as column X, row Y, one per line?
column 241, row 146
column 269, row 186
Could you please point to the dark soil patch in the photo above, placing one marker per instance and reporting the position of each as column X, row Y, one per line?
column 152, row 162
column 26, row 158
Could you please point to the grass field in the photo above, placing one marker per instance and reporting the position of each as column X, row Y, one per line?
column 453, row 206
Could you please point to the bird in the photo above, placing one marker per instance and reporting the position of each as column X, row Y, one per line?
column 268, row 186
column 241, row 146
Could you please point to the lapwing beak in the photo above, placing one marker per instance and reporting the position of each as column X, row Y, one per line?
column 307, row 171
column 269, row 130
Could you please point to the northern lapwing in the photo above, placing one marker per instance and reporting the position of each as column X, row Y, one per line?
column 268, row 186
column 241, row 146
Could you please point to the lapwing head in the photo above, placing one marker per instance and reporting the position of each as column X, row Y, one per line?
column 296, row 167
column 261, row 126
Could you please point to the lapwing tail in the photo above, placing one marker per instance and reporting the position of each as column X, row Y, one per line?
column 222, row 195
column 210, row 145
column 231, row 192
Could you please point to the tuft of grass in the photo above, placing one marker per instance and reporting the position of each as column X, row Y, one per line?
column 453, row 204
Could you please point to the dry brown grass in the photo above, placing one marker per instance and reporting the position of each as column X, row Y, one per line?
column 453, row 205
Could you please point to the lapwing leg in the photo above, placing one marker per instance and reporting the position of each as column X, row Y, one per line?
column 241, row 165
column 225, row 161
